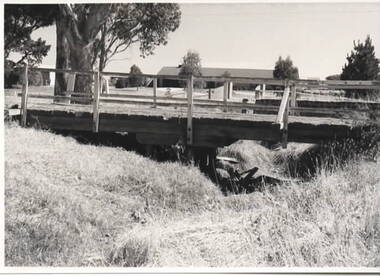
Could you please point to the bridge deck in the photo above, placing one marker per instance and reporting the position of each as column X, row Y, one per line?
column 198, row 121
column 166, row 125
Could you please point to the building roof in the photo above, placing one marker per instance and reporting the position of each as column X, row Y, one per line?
column 218, row 72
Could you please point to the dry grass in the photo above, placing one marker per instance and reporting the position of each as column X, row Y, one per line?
column 62, row 196
column 331, row 221
column 70, row 205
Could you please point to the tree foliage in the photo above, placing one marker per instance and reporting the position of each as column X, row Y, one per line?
column 135, row 78
column 362, row 63
column 19, row 23
column 89, row 33
column 11, row 74
column 226, row 74
column 333, row 77
column 145, row 23
column 191, row 64
column 284, row 69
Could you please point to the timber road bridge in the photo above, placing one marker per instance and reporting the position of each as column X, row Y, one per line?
column 303, row 111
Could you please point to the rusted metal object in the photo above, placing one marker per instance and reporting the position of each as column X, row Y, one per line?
column 235, row 181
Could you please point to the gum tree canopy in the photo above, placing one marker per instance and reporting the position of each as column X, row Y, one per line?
column 90, row 34
column 19, row 23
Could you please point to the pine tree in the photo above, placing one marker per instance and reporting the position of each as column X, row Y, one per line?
column 362, row 64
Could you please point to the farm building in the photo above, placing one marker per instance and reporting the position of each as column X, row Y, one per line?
column 216, row 72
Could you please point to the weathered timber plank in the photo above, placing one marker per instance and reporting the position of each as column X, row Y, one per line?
column 323, row 104
column 53, row 122
column 95, row 110
column 154, row 92
column 283, row 110
column 62, row 71
column 24, row 98
column 144, row 126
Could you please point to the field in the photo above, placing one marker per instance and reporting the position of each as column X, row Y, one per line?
column 69, row 204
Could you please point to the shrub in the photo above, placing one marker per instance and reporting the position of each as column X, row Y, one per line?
column 121, row 83
column 11, row 74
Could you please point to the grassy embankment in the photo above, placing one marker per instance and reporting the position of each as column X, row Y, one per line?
column 71, row 205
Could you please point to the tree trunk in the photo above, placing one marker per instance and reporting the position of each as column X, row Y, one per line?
column 81, row 36
column 81, row 61
column 62, row 60
column 102, row 57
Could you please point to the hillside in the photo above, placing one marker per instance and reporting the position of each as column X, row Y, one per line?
column 69, row 204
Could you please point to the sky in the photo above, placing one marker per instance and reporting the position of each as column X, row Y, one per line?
column 317, row 37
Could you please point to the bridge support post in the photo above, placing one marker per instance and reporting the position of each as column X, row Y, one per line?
column 282, row 117
column 24, row 98
column 95, row 112
column 230, row 89
column 155, row 92
column 225, row 96
column 189, row 129
column 105, row 86
column 263, row 88
column 293, row 99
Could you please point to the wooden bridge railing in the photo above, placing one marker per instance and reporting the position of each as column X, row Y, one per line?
column 287, row 106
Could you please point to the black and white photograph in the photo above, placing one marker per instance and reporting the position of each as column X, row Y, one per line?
column 191, row 135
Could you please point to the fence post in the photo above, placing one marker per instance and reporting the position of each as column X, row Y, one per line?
column 104, row 86
column 293, row 98
column 263, row 88
column 24, row 98
column 189, row 132
column 225, row 96
column 282, row 116
column 95, row 113
column 230, row 89
column 284, row 131
column 155, row 92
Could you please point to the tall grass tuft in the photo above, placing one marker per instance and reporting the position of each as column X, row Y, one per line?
column 136, row 248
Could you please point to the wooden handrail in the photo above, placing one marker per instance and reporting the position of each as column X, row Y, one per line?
column 333, row 84
column 41, row 69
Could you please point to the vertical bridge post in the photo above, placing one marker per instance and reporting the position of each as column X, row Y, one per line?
column 189, row 129
column 282, row 116
column 155, row 92
column 95, row 113
column 225, row 96
column 24, row 98
column 293, row 98
column 230, row 89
